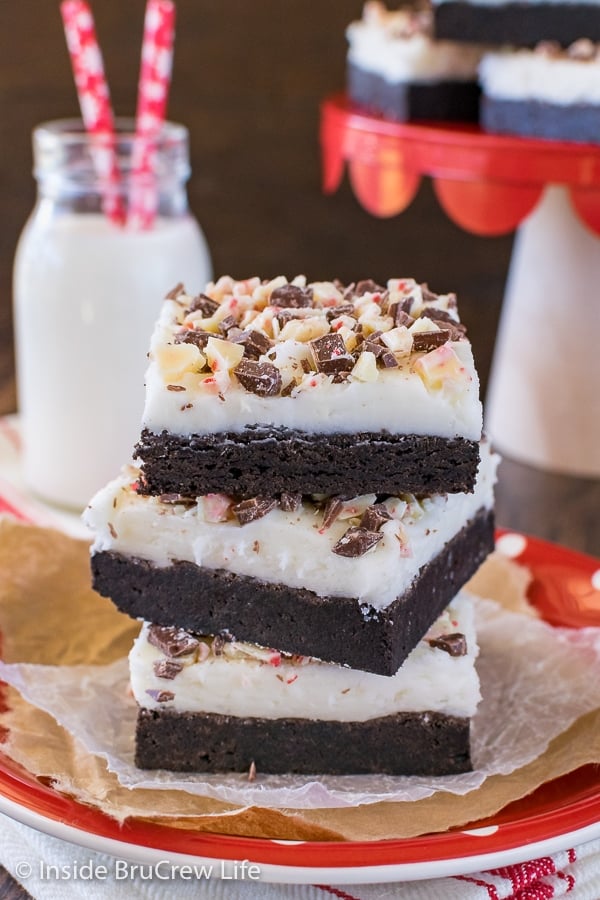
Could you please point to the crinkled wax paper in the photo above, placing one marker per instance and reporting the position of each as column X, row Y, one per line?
column 536, row 681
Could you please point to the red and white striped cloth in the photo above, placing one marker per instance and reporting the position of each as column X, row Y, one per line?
column 575, row 871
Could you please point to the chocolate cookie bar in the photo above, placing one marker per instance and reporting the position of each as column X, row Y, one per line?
column 268, row 387
column 216, row 705
column 546, row 92
column 396, row 69
column 355, row 581
column 517, row 24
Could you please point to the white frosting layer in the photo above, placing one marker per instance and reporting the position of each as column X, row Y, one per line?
column 527, row 75
column 398, row 46
column 289, row 547
column 429, row 680
column 433, row 393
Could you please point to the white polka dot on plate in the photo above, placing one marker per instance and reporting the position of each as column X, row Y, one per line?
column 596, row 580
column 511, row 544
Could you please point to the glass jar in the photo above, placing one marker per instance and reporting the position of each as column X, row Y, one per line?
column 87, row 292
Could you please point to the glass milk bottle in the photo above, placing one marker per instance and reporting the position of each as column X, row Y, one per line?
column 87, row 292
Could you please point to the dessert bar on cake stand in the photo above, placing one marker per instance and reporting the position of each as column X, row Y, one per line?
column 543, row 405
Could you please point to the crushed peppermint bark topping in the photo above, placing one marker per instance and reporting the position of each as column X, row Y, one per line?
column 291, row 295
column 273, row 338
column 356, row 542
column 455, row 644
column 172, row 499
column 171, row 641
column 429, row 340
column 161, row 696
column 175, row 292
column 374, row 517
column 331, row 510
column 204, row 304
column 260, row 378
column 368, row 286
column 167, row 668
column 290, row 502
column 330, row 354
column 255, row 343
column 253, row 508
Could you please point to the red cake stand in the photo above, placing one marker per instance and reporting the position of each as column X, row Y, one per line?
column 543, row 405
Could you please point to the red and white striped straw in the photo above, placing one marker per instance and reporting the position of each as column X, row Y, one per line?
column 153, row 92
column 94, row 100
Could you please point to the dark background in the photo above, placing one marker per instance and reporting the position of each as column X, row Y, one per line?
column 248, row 79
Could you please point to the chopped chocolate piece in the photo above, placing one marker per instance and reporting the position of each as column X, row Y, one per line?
column 226, row 324
column 330, row 354
column 167, row 668
column 345, row 309
column 291, row 295
column 455, row 644
column 368, row 286
column 306, row 366
column 372, row 347
column 259, row 378
column 175, row 292
column 387, row 360
column 429, row 340
column 172, row 641
column 175, row 387
column 177, row 498
column 356, row 542
column 399, row 315
column 374, row 516
column 255, row 343
column 161, row 696
column 194, row 336
column 290, row 502
column 286, row 315
column 331, row 511
column 206, row 305
column 457, row 329
column 253, row 508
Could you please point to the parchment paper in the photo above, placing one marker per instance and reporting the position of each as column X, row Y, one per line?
column 50, row 616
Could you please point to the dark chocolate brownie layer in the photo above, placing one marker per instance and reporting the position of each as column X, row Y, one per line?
column 533, row 118
column 407, row 101
column 272, row 460
column 426, row 743
column 519, row 24
column 336, row 629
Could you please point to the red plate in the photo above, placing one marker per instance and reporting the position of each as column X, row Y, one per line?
column 566, row 590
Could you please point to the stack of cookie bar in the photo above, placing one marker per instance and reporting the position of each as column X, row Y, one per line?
column 312, row 494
